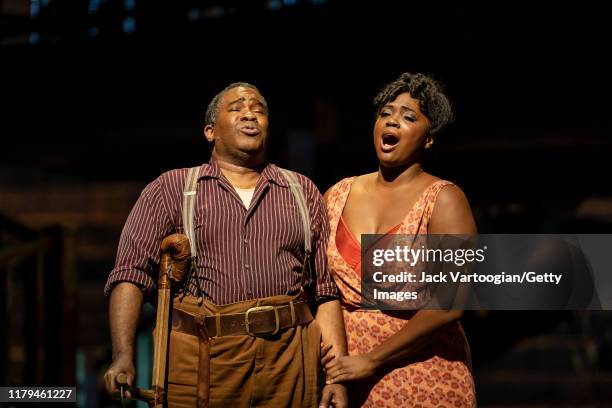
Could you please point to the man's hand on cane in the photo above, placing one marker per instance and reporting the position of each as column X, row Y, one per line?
column 121, row 364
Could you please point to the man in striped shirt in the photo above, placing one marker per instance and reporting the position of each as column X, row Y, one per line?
column 250, row 251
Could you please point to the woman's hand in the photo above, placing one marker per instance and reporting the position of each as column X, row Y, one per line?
column 327, row 355
column 349, row 368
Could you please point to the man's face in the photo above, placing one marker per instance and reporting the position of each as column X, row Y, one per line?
column 240, row 132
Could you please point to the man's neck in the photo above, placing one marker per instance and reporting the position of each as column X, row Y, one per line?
column 240, row 175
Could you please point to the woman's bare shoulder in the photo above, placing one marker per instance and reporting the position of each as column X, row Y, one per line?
column 452, row 213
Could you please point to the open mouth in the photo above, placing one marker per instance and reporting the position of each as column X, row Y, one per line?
column 389, row 141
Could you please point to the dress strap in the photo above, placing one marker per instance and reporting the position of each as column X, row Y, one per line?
column 335, row 201
column 431, row 197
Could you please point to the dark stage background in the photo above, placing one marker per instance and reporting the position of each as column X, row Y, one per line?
column 100, row 97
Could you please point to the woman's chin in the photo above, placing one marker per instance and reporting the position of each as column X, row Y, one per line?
column 390, row 162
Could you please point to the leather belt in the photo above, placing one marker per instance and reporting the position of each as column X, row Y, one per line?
column 256, row 321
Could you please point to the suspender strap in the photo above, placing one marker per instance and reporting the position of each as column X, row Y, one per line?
column 296, row 189
column 298, row 194
column 189, row 199
column 189, row 202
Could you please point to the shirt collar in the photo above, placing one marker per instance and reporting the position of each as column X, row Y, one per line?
column 270, row 172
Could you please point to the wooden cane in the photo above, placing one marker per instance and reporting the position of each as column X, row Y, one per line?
column 175, row 254
column 160, row 340
column 174, row 264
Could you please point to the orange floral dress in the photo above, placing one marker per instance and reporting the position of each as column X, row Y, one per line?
column 437, row 376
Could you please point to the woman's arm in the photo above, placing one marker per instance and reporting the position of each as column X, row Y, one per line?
column 451, row 215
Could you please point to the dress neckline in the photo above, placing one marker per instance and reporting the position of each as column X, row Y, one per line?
column 354, row 239
column 398, row 226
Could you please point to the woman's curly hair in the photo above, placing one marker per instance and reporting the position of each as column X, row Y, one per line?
column 432, row 101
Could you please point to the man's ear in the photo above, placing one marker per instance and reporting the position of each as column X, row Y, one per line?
column 429, row 140
column 209, row 133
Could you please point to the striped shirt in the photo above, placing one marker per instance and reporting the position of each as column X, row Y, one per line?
column 242, row 253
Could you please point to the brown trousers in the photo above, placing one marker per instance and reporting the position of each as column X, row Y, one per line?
column 247, row 371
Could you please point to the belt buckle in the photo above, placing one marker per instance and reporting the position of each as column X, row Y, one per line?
column 262, row 309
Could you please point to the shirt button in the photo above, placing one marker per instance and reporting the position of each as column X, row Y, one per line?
column 246, row 266
column 246, row 241
column 249, row 292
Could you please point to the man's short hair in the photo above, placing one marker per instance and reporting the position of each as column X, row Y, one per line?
column 213, row 107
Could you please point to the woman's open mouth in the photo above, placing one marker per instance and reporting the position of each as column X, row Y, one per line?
column 389, row 141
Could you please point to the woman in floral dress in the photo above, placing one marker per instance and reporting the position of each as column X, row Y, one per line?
column 399, row 359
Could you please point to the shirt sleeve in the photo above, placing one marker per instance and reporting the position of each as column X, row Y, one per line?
column 325, row 286
column 138, row 251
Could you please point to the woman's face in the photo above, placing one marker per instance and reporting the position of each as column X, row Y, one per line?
column 400, row 132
